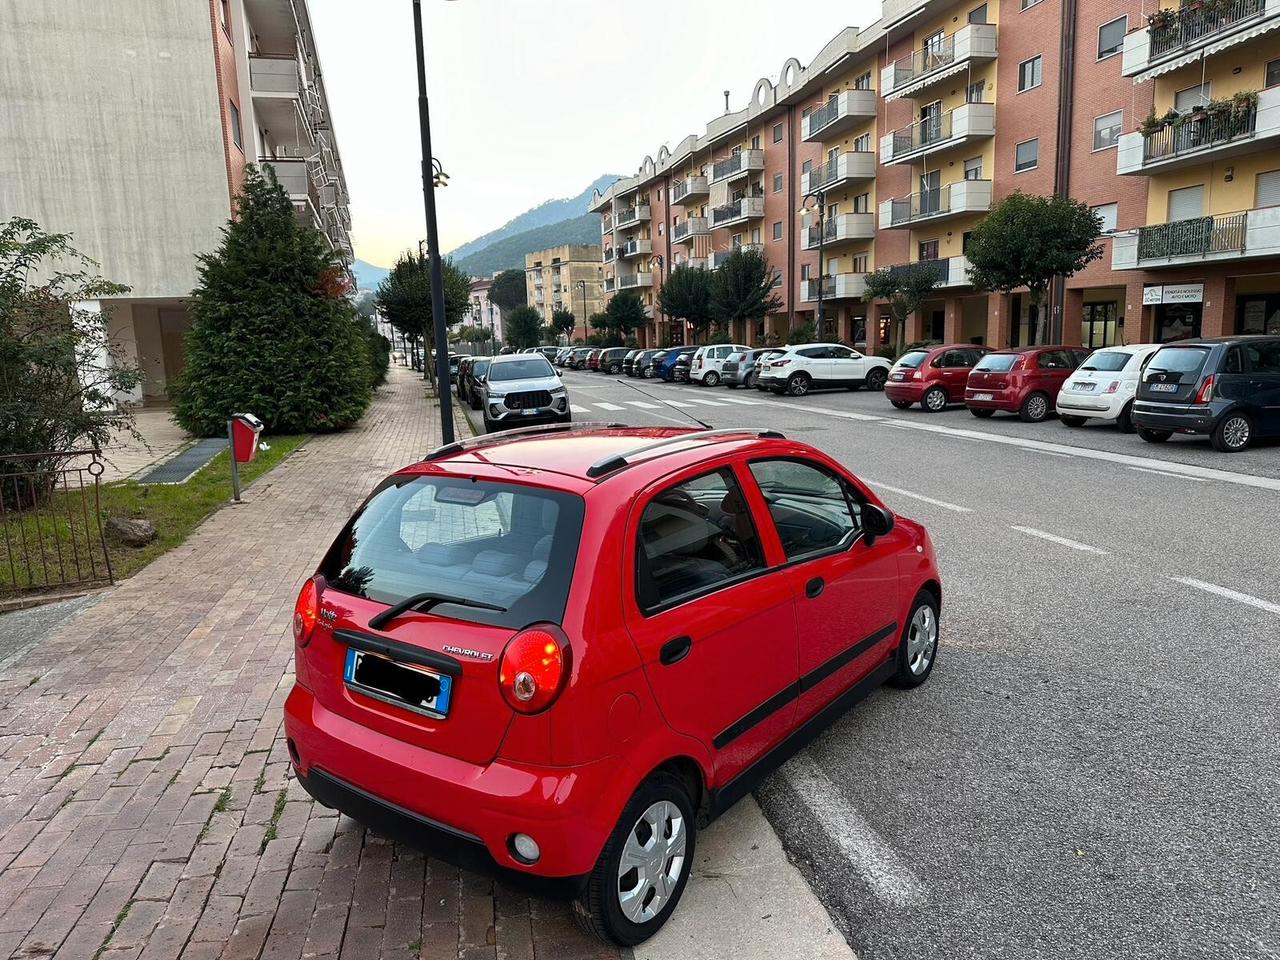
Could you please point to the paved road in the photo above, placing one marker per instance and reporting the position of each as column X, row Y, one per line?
column 1092, row 771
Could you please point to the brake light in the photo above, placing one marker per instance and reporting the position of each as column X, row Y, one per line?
column 1205, row 394
column 306, row 611
column 1018, row 364
column 1113, row 387
column 779, row 363
column 534, row 667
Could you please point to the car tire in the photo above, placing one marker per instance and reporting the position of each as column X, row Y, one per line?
column 599, row 909
column 488, row 425
column 876, row 378
column 1154, row 436
column 934, row 400
column 1072, row 421
column 798, row 384
column 474, row 401
column 901, row 404
column 711, row 379
column 748, row 383
column 1232, row 433
column 615, row 368
column 918, row 646
column 982, row 413
column 1034, row 409
column 1125, row 420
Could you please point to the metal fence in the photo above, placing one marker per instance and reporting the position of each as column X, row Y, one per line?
column 1199, row 236
column 51, row 521
column 1196, row 132
column 1185, row 26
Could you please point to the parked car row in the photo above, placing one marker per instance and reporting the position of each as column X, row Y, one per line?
column 515, row 389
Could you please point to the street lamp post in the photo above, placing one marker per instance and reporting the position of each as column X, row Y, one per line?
column 820, row 198
column 443, row 394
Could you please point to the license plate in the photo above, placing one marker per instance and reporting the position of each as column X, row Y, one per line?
column 1164, row 387
column 984, row 396
column 1083, row 387
column 401, row 684
column 897, row 376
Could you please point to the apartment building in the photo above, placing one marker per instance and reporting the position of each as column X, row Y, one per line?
column 569, row 277
column 899, row 137
column 481, row 311
column 132, row 133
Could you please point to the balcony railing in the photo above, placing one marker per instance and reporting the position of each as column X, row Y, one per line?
column 292, row 174
column 274, row 75
column 688, row 188
column 859, row 165
column 610, row 284
column 840, row 113
column 962, row 196
column 927, row 203
column 1198, row 237
column 688, row 229
column 844, row 226
column 628, row 281
column 950, row 271
column 635, row 247
column 720, row 256
column 841, row 286
column 1198, row 132
column 922, row 133
column 744, row 161
column 931, row 62
column 1178, row 29
column 626, row 218
column 746, row 208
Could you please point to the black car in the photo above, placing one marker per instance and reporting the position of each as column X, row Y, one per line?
column 611, row 360
column 680, row 372
column 642, row 358
column 628, row 362
column 469, row 378
column 1226, row 387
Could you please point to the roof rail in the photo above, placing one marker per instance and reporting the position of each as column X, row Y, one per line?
column 490, row 439
column 617, row 461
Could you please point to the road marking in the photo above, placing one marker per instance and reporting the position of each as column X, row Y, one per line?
column 889, row 878
column 642, row 404
column 1230, row 594
column 608, row 406
column 745, row 403
column 1166, row 473
column 1061, row 541
column 708, row 403
column 679, row 403
column 918, row 496
column 574, row 408
column 1046, row 453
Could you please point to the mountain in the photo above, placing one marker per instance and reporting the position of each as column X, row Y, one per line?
column 368, row 276
column 545, row 214
column 509, row 254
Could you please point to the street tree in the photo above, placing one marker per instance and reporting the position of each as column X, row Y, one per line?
column 1028, row 240
column 686, row 295
column 272, row 330
column 404, row 297
column 523, row 328
column 625, row 315
column 742, row 290
column 508, row 291
column 562, row 322
column 905, row 287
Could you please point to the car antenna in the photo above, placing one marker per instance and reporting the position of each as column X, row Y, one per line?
column 701, row 423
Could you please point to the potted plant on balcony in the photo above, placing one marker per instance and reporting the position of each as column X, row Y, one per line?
column 1162, row 19
column 1244, row 103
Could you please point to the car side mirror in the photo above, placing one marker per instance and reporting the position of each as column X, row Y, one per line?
column 876, row 522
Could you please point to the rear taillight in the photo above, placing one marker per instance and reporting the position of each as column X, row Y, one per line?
column 1113, row 386
column 534, row 667
column 1018, row 364
column 779, row 363
column 306, row 611
column 1205, row 393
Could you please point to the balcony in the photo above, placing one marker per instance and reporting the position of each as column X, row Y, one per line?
column 718, row 258
column 924, row 69
column 291, row 174
column 275, row 77
column 689, row 189
column 737, row 211
column 840, row 286
column 695, row 263
column 1177, row 37
column 949, row 200
column 964, row 124
column 1247, row 235
column 610, row 285
column 839, row 115
column 606, row 225
column 635, row 248
column 846, row 169
column 841, row 229
column 737, row 165
column 686, row 230
column 631, row 216
column 629, row 281
column 610, row 254
column 1202, row 138
column 951, row 271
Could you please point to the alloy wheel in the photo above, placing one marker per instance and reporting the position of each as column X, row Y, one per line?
column 922, row 639
column 1235, row 432
column 1037, row 408
column 798, row 386
column 935, row 400
column 652, row 862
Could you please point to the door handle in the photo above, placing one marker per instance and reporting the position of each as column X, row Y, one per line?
column 814, row 587
column 673, row 651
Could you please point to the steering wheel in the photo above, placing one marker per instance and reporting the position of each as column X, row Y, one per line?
column 681, row 500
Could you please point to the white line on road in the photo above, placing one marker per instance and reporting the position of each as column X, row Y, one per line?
column 745, row 403
column 1047, row 453
column 608, row 406
column 642, row 404
column 1166, row 473
column 708, row 403
column 889, row 878
column 918, row 496
column 679, row 403
column 1061, row 541
column 574, row 408
column 1230, row 594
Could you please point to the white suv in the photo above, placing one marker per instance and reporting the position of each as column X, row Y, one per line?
column 811, row 366
column 707, row 363
column 1103, row 386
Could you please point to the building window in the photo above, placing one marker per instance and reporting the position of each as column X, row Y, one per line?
column 1111, row 37
column 777, row 230
column 1267, row 189
column 965, row 238
column 224, row 15
column 1106, row 130
column 862, row 144
column 804, row 271
column 777, row 183
column 863, row 82
column 755, row 234
column 1190, row 97
column 777, row 133
column 1029, row 73
column 1027, row 155
column 973, row 169
column 1273, row 74
column 861, row 203
column 806, row 166
column 1107, row 213
column 755, row 142
column 659, row 194
column 236, row 134
column 861, row 263
column 928, row 250
column 975, row 92
column 1028, row 4
column 777, row 279
column 978, row 14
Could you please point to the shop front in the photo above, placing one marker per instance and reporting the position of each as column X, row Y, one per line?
column 1177, row 310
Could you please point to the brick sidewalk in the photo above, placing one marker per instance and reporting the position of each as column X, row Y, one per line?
column 146, row 803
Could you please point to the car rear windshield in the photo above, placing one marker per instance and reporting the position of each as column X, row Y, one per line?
column 912, row 359
column 495, row 543
column 526, row 368
column 1106, row 361
column 1179, row 359
column 997, row 362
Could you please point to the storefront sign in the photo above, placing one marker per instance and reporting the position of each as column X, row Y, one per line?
column 1173, row 293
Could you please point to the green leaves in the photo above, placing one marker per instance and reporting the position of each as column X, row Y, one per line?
column 563, row 322
column 742, row 289
column 523, row 328
column 508, row 291
column 686, row 295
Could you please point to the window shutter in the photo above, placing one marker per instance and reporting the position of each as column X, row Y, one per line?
column 1268, row 192
column 1187, row 203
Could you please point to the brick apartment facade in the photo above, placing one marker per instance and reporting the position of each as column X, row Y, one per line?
column 908, row 132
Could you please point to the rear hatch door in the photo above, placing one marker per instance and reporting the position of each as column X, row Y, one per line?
column 1173, row 375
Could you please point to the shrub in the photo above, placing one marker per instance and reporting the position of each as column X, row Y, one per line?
column 379, row 348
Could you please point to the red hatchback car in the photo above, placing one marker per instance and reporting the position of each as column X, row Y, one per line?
column 1022, row 380
column 933, row 376
column 555, row 653
column 593, row 360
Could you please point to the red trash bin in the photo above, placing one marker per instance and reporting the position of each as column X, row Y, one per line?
column 245, row 429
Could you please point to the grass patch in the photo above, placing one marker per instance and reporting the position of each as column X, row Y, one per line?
column 120, row 918
column 276, row 813
column 175, row 510
column 223, row 799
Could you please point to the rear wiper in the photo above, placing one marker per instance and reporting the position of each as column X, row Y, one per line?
column 1089, row 368
column 425, row 601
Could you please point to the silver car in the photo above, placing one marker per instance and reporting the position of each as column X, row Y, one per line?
column 522, row 389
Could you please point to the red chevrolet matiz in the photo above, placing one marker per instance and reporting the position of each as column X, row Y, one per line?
column 555, row 653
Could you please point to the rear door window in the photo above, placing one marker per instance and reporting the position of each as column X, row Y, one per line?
column 1266, row 357
column 809, row 506
column 1056, row 360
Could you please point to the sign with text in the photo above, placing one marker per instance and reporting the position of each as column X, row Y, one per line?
column 1173, row 293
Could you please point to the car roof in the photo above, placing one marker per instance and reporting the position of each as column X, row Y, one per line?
column 1214, row 341
column 1038, row 348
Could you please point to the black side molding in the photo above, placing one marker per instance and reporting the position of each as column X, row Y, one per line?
column 404, row 652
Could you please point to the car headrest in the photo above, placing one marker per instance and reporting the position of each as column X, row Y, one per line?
column 494, row 563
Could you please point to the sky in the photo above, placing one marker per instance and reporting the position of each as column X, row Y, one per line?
column 531, row 100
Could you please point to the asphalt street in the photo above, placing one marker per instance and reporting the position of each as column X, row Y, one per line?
column 1092, row 769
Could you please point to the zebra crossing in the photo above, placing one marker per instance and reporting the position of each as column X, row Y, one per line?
column 684, row 403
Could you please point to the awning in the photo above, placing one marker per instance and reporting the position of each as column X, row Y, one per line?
column 931, row 78
column 1209, row 50
column 1177, row 63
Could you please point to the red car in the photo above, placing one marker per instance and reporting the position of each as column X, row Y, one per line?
column 1023, row 380
column 593, row 360
column 933, row 376
column 554, row 653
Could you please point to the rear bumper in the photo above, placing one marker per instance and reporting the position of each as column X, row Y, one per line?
column 1104, row 407
column 1180, row 419
column 769, row 381
column 1000, row 400
column 460, row 812
column 904, row 390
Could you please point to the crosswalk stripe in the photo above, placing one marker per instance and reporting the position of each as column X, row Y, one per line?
column 745, row 403
column 608, row 406
column 577, row 409
column 642, row 404
column 679, row 403
column 708, row 403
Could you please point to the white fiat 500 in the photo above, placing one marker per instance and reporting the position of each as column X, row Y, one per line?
column 1103, row 386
